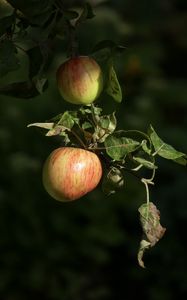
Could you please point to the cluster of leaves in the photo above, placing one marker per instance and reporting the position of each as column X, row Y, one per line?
column 31, row 27
column 120, row 152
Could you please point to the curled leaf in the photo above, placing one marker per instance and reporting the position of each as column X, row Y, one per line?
column 105, row 126
column 46, row 125
column 113, row 180
column 152, row 229
column 146, row 163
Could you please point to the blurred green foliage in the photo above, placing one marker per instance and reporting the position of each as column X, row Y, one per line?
column 86, row 250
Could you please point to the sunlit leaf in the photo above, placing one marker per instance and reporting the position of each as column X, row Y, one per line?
column 113, row 180
column 146, row 163
column 56, row 130
column 145, row 147
column 68, row 119
column 152, row 229
column 118, row 147
column 46, row 125
column 105, row 126
column 163, row 149
column 41, row 84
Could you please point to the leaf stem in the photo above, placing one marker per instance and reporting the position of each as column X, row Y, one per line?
column 146, row 182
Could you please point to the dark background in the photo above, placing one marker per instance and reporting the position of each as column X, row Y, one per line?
column 86, row 250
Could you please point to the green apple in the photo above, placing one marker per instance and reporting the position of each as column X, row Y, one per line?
column 69, row 173
column 80, row 80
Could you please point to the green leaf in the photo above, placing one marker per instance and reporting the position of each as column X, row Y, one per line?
column 152, row 229
column 41, row 84
column 113, row 88
column 86, row 125
column 25, row 90
column 145, row 147
column 6, row 23
column 118, row 147
column 103, row 45
column 181, row 160
column 53, row 130
column 38, row 12
column 105, row 126
column 70, row 14
column 113, row 180
column 108, row 44
column 87, row 13
column 68, row 119
column 35, row 61
column 8, row 59
column 163, row 149
column 146, row 163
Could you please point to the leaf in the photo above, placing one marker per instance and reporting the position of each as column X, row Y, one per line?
column 41, row 84
column 118, row 147
column 56, row 130
column 35, row 61
column 146, row 163
column 152, row 229
column 70, row 14
column 103, row 45
column 6, row 23
column 108, row 44
column 52, row 128
column 46, row 125
column 113, row 88
column 144, row 245
column 25, row 90
column 163, row 149
column 113, row 181
column 37, row 64
column 105, row 126
column 145, row 147
column 87, row 13
column 68, row 119
column 181, row 160
column 86, row 125
column 37, row 11
column 8, row 59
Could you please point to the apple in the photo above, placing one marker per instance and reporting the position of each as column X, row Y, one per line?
column 69, row 173
column 80, row 80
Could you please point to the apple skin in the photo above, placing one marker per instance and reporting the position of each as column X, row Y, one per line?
column 80, row 80
column 69, row 173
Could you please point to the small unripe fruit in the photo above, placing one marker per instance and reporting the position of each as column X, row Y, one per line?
column 80, row 80
column 69, row 173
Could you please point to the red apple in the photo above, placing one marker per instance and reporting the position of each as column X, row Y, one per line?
column 80, row 80
column 69, row 173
